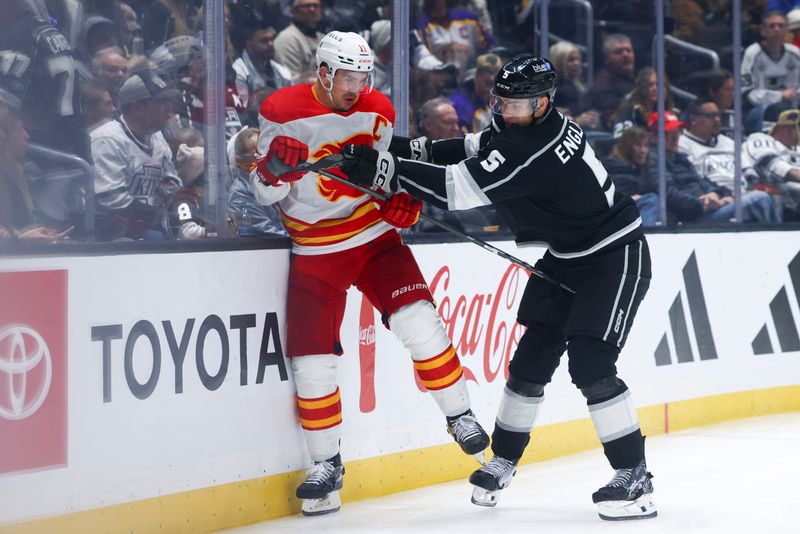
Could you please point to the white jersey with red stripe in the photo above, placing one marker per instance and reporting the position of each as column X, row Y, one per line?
column 320, row 214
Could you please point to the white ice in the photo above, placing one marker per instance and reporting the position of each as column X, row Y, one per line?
column 737, row 477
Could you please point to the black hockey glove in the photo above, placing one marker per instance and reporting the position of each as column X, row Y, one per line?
column 418, row 149
column 368, row 167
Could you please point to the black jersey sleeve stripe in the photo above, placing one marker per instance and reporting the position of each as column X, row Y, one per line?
column 423, row 180
column 544, row 149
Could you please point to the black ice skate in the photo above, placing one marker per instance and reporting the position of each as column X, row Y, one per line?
column 469, row 434
column 320, row 490
column 629, row 495
column 490, row 479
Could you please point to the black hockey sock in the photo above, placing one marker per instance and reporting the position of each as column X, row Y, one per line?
column 509, row 445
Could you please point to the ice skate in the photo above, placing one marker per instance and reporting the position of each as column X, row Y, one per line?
column 629, row 495
column 469, row 434
column 320, row 490
column 490, row 479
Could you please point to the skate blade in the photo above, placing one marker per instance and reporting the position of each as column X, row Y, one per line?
column 641, row 508
column 484, row 497
column 326, row 505
column 481, row 457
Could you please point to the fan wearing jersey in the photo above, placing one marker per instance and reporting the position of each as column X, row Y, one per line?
column 341, row 237
column 536, row 167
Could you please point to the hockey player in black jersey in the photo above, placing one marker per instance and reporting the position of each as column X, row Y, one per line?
column 536, row 167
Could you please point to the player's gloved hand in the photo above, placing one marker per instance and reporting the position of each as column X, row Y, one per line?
column 284, row 154
column 418, row 149
column 366, row 166
column 400, row 210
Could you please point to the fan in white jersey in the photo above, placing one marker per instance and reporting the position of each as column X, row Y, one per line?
column 771, row 162
column 770, row 70
column 134, row 173
column 341, row 237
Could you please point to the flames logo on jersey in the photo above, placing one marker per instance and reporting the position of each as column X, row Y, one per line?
column 328, row 187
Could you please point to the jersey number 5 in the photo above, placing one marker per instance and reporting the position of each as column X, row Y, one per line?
column 494, row 160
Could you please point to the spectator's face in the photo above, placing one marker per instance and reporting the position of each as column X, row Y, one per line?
column 484, row 81
column 245, row 160
column 671, row 139
column 773, row 29
column 640, row 152
column 101, row 110
column 652, row 87
column 707, row 123
column 620, row 58
column 437, row 10
column 443, row 124
column 724, row 95
column 573, row 66
column 112, row 72
column 18, row 138
column 307, row 12
column 129, row 20
column 261, row 45
column 157, row 111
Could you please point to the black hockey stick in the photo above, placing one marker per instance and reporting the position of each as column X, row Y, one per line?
column 335, row 159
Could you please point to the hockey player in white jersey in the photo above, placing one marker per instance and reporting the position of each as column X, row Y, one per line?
column 342, row 237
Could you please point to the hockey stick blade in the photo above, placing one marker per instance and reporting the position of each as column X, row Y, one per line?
column 444, row 226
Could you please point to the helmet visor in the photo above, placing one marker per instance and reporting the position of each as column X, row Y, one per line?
column 352, row 82
column 513, row 107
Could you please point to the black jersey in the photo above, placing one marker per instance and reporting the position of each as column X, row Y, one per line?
column 544, row 180
column 36, row 65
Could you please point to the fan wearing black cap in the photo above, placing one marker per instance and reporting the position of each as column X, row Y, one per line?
column 536, row 167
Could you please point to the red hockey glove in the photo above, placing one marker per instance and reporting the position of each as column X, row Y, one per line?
column 284, row 154
column 400, row 210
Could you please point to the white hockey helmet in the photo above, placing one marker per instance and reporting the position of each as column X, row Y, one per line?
column 345, row 50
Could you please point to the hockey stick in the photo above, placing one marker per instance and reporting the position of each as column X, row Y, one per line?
column 335, row 159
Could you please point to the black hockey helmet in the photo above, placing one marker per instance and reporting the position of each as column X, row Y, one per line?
column 526, row 76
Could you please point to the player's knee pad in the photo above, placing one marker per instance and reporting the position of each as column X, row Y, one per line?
column 590, row 360
column 315, row 375
column 603, row 390
column 519, row 406
column 419, row 328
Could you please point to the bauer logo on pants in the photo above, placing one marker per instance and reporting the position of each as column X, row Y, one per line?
column 33, row 370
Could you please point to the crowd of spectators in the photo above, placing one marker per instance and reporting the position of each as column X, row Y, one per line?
column 118, row 88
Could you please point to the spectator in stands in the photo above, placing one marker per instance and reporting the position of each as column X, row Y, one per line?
column 710, row 152
column 380, row 39
column 256, row 67
column 615, row 80
column 258, row 13
column 571, row 95
column 39, row 70
column 17, row 220
column 635, row 108
column 770, row 72
column 165, row 19
column 296, row 45
column 454, row 35
column 134, row 173
column 110, row 70
column 793, row 25
column 98, row 107
column 770, row 162
column 692, row 198
column 472, row 101
column 251, row 217
column 629, row 168
column 130, row 30
column 438, row 119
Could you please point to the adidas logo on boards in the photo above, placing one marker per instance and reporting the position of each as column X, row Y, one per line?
column 680, row 345
column 783, row 321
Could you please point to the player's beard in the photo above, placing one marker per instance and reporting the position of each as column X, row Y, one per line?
column 343, row 108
